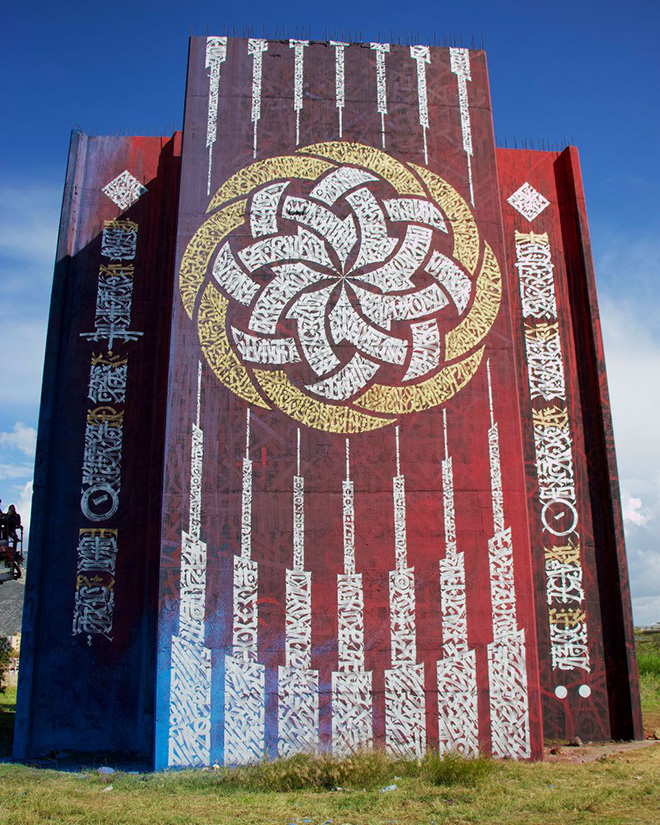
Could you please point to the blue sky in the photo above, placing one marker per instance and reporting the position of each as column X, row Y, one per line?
column 584, row 72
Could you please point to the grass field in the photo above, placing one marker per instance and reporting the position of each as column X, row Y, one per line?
column 619, row 788
column 648, row 662
column 613, row 790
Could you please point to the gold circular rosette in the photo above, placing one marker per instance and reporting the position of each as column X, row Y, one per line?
column 341, row 286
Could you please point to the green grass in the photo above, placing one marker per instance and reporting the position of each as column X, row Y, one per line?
column 622, row 789
column 647, row 644
column 648, row 662
column 366, row 770
column 8, row 700
column 452, row 769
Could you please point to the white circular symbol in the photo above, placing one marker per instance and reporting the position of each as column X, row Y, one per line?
column 553, row 517
column 561, row 692
column 584, row 691
column 99, row 502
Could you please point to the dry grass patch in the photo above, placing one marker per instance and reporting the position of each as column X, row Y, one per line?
column 620, row 789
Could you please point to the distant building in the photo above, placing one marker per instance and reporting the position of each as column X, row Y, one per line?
column 325, row 457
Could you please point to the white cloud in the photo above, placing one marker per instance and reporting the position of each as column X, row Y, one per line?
column 22, row 344
column 9, row 470
column 632, row 511
column 646, row 611
column 24, row 508
column 28, row 234
column 628, row 276
column 21, row 438
column 28, row 224
column 644, row 570
column 633, row 368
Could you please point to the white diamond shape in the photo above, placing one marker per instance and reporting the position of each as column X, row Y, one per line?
column 124, row 190
column 528, row 201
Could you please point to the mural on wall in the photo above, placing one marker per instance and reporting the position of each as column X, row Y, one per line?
column 324, row 460
column 191, row 659
column 244, row 676
column 350, row 290
column 507, row 654
column 94, row 605
column 352, row 724
column 554, row 456
column 296, row 282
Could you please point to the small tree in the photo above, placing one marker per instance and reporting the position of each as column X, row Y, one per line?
column 5, row 656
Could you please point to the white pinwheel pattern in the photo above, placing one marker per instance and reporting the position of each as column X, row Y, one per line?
column 334, row 282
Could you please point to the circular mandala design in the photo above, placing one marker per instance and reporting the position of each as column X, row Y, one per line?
column 341, row 286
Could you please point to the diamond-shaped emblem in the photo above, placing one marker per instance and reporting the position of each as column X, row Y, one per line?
column 528, row 201
column 124, row 190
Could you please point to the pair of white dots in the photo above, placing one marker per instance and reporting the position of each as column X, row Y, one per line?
column 561, row 692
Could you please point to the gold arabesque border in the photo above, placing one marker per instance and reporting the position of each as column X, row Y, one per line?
column 385, row 402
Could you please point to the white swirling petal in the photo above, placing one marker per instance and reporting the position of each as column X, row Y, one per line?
column 340, row 282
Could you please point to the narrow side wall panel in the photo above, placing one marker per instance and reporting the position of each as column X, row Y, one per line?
column 588, row 672
column 87, row 664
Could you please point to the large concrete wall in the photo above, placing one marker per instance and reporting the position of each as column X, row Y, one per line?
column 324, row 459
column 345, row 572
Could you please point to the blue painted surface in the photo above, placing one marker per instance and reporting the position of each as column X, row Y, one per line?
column 73, row 695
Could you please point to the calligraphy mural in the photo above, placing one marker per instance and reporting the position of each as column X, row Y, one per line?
column 284, row 281
column 324, row 418
column 337, row 304
column 579, row 545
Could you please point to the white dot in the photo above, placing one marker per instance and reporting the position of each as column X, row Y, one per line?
column 561, row 692
column 584, row 691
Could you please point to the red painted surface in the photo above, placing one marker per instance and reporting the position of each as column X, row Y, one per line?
column 372, row 454
column 82, row 697
column 612, row 710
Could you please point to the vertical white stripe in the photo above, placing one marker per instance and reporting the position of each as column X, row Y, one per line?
column 340, row 80
column 298, row 451
column 460, row 66
column 190, row 659
column 298, row 697
column 490, row 393
column 405, row 723
column 298, row 46
column 199, row 391
column 507, row 653
column 398, row 454
column 458, row 720
column 497, row 496
column 381, row 50
column 400, row 545
column 216, row 54
column 244, row 683
column 246, row 501
column 256, row 47
column 422, row 55
column 348, row 512
column 352, row 726
column 554, row 448
column 298, row 523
